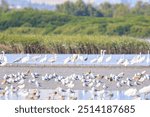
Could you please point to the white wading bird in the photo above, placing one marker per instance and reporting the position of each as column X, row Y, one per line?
column 108, row 59
column 44, row 59
column 101, row 58
column 17, row 60
column 95, row 60
column 35, row 58
column 148, row 59
column 83, row 59
column 121, row 60
column 74, row 58
column 25, row 59
column 3, row 59
column 67, row 60
column 53, row 59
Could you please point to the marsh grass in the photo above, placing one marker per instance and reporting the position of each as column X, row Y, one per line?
column 85, row 44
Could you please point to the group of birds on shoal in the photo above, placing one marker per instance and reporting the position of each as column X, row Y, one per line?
column 74, row 58
column 16, row 84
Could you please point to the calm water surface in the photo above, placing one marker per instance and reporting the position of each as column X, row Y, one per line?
column 80, row 94
column 62, row 57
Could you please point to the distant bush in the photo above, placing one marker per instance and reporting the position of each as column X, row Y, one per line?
column 29, row 21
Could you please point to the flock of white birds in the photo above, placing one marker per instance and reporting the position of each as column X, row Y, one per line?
column 75, row 58
column 98, row 85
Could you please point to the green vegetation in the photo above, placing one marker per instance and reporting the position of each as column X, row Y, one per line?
column 79, row 8
column 76, row 28
column 70, row 44
column 29, row 21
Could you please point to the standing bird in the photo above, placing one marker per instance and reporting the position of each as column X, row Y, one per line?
column 148, row 59
column 74, row 58
column 17, row 60
column 3, row 59
column 25, row 59
column 44, row 59
column 83, row 59
column 94, row 60
column 141, row 59
column 121, row 60
column 53, row 59
column 35, row 58
column 126, row 62
column 67, row 60
column 101, row 58
column 108, row 59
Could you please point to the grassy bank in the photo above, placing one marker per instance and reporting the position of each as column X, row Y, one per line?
column 30, row 21
column 17, row 43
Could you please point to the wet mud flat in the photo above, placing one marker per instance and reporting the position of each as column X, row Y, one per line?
column 73, row 69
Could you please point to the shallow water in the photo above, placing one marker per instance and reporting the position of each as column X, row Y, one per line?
column 62, row 57
column 80, row 94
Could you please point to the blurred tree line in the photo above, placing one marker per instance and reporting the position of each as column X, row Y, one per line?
column 105, row 19
column 3, row 6
column 79, row 8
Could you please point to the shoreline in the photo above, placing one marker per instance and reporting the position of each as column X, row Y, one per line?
column 75, row 66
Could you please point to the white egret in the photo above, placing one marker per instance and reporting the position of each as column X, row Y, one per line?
column 108, row 59
column 135, row 59
column 44, row 59
column 121, row 60
column 141, row 59
column 25, row 59
column 148, row 59
column 35, row 58
column 3, row 59
column 17, row 60
column 101, row 58
column 74, row 58
column 94, row 60
column 67, row 60
column 83, row 59
column 53, row 59
column 126, row 62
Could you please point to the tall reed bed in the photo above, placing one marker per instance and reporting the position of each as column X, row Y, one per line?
column 85, row 44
